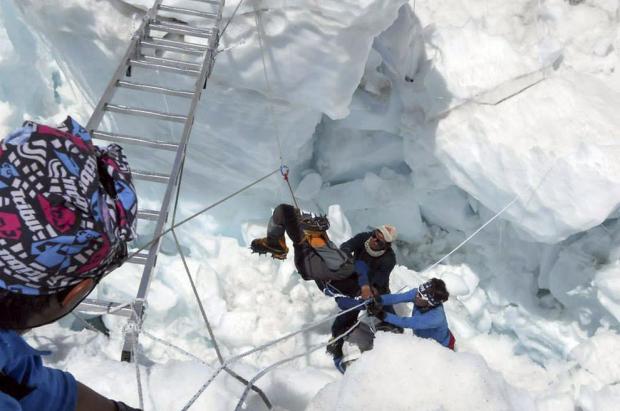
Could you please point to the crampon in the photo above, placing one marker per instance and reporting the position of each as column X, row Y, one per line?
column 278, row 250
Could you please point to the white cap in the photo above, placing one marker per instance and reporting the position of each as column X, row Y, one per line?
column 389, row 232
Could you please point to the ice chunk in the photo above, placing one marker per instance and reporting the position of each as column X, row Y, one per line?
column 553, row 146
column 412, row 373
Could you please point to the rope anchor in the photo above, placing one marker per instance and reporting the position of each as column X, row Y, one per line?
column 284, row 170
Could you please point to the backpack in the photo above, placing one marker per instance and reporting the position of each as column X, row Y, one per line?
column 68, row 208
column 320, row 259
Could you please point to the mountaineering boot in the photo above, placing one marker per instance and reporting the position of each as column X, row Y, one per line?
column 275, row 246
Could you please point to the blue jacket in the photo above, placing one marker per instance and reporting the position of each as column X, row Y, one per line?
column 425, row 324
column 52, row 390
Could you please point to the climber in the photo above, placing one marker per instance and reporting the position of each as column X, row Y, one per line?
column 374, row 262
column 428, row 319
column 68, row 210
column 360, row 268
column 359, row 340
column 316, row 256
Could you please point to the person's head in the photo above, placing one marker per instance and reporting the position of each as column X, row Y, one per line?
column 382, row 237
column 431, row 293
column 20, row 311
column 53, row 259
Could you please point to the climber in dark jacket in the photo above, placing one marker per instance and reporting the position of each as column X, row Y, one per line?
column 374, row 261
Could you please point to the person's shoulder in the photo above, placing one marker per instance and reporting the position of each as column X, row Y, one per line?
column 363, row 234
column 9, row 335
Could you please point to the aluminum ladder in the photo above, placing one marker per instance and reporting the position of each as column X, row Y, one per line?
column 163, row 43
column 152, row 52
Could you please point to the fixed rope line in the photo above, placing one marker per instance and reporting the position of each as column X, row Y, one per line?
column 173, row 347
column 204, row 210
column 257, row 19
column 489, row 221
column 198, row 300
column 232, row 16
column 284, row 170
column 266, row 345
column 264, row 371
column 210, row 330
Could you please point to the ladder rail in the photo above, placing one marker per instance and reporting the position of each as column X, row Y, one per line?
column 169, row 195
column 98, row 112
column 147, row 273
column 135, row 309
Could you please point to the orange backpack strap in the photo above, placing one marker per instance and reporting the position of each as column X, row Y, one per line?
column 316, row 239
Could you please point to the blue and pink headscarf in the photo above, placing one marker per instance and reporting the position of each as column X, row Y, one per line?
column 67, row 208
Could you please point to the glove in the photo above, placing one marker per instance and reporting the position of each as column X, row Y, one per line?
column 121, row 406
column 375, row 308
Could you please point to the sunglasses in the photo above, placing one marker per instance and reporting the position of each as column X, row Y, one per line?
column 425, row 295
column 380, row 242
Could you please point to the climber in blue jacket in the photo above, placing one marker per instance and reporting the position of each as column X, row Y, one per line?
column 428, row 319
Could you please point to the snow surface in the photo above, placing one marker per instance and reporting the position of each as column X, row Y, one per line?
column 429, row 115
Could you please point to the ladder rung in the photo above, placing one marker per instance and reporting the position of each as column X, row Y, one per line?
column 165, row 67
column 180, row 29
column 188, row 45
column 173, row 62
column 215, row 2
column 139, row 258
column 152, row 215
column 184, row 26
column 150, row 176
column 99, row 307
column 145, row 113
column 127, row 139
column 189, row 12
column 167, row 47
column 155, row 89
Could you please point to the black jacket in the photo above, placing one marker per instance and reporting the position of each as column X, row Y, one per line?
column 379, row 267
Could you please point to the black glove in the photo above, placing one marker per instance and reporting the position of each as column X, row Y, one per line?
column 121, row 406
column 375, row 308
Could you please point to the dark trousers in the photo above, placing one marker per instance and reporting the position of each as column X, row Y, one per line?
column 285, row 219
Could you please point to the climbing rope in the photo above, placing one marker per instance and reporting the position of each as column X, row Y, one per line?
column 264, row 346
column 284, row 170
column 264, row 371
column 232, row 16
column 198, row 300
column 204, row 210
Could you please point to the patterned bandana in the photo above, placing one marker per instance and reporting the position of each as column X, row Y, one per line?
column 425, row 292
column 67, row 207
